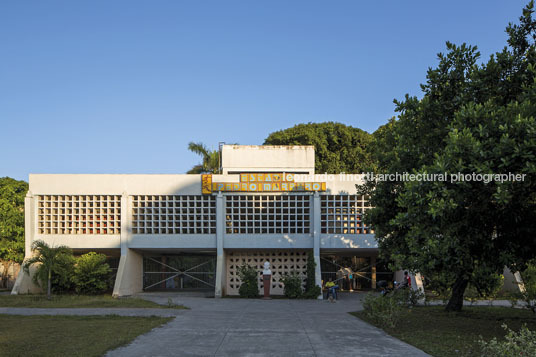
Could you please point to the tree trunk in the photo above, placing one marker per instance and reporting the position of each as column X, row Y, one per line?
column 49, row 285
column 458, row 289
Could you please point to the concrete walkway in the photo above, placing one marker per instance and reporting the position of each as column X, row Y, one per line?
column 27, row 311
column 242, row 327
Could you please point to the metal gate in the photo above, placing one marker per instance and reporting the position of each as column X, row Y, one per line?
column 187, row 272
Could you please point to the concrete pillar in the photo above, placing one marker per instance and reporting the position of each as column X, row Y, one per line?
column 316, row 240
column 373, row 266
column 220, row 254
column 513, row 281
column 129, row 279
column 24, row 283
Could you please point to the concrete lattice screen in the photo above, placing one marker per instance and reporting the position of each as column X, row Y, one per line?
column 282, row 262
column 79, row 214
column 174, row 214
column 267, row 214
column 343, row 214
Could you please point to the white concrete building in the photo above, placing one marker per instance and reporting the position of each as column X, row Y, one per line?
column 192, row 232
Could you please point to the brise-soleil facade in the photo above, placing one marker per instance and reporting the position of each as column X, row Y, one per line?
column 193, row 232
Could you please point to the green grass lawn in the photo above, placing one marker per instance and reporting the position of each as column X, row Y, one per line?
column 455, row 334
column 70, row 335
column 73, row 301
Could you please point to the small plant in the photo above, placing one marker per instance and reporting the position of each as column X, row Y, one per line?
column 528, row 289
column 415, row 296
column 522, row 343
column 170, row 303
column 312, row 291
column 407, row 297
column 514, row 299
column 91, row 273
column 486, row 282
column 292, row 285
column 383, row 310
column 249, row 287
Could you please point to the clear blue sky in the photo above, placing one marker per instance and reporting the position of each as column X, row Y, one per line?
column 123, row 86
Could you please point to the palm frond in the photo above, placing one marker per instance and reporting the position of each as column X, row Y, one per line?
column 198, row 148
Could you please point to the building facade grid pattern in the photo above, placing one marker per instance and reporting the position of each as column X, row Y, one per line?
column 267, row 214
column 173, row 214
column 343, row 214
column 79, row 214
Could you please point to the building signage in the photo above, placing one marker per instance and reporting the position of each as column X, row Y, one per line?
column 260, row 182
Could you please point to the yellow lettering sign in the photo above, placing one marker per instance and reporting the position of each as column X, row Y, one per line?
column 206, row 184
column 260, row 182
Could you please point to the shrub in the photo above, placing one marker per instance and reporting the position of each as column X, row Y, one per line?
column 249, row 287
column 91, row 273
column 486, row 282
column 528, row 292
column 385, row 310
column 62, row 274
column 312, row 291
column 414, row 296
column 522, row 343
column 311, row 265
column 292, row 285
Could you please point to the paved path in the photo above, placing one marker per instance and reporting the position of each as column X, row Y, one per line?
column 90, row 311
column 240, row 327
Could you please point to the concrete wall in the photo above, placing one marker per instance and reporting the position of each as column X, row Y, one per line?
column 257, row 158
column 82, row 184
column 348, row 241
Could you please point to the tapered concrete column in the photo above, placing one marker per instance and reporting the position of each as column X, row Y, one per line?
column 220, row 255
column 316, row 240
column 129, row 279
column 23, row 283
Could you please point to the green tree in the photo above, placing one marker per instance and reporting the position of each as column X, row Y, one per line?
column 472, row 119
column 91, row 273
column 48, row 259
column 210, row 159
column 338, row 147
column 12, row 193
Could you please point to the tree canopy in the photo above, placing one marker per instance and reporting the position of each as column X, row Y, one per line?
column 472, row 119
column 12, row 193
column 338, row 147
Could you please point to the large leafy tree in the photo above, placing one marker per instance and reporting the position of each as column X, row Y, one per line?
column 12, row 193
column 338, row 147
column 48, row 259
column 210, row 159
column 472, row 119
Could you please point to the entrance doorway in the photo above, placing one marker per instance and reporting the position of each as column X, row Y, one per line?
column 354, row 272
column 182, row 272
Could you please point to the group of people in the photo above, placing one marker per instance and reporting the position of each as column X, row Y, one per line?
column 332, row 287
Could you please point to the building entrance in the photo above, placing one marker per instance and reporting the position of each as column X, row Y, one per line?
column 184, row 272
column 354, row 272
